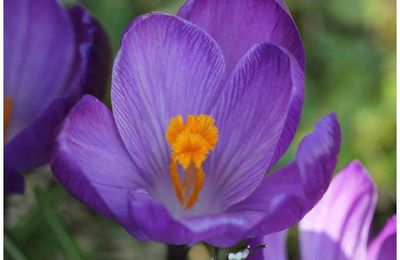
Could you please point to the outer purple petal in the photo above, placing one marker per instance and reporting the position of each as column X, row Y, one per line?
column 249, row 118
column 337, row 228
column 32, row 147
column 93, row 55
column 384, row 245
column 240, row 24
column 149, row 220
column 275, row 247
column 285, row 196
column 39, row 51
column 165, row 67
column 90, row 159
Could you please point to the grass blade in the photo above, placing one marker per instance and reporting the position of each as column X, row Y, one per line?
column 66, row 242
column 12, row 249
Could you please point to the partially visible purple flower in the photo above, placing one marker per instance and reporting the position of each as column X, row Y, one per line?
column 383, row 247
column 52, row 57
column 198, row 119
column 337, row 228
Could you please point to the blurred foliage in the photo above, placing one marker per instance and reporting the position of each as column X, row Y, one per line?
column 350, row 49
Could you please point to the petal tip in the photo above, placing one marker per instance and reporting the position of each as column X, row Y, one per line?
column 356, row 170
column 138, row 20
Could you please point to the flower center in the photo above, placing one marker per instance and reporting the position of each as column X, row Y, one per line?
column 8, row 103
column 190, row 143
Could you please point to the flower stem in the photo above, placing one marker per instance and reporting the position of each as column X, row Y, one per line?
column 213, row 251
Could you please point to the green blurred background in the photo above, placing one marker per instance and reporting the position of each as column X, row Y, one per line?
column 350, row 50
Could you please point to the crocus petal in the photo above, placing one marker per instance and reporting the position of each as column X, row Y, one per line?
column 32, row 147
column 238, row 25
column 165, row 67
column 149, row 220
column 249, row 118
column 39, row 51
column 286, row 195
column 337, row 228
column 90, row 159
column 292, row 117
column 275, row 247
column 93, row 55
column 384, row 245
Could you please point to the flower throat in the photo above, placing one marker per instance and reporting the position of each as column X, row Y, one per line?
column 190, row 144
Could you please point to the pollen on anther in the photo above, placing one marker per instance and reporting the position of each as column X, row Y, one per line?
column 190, row 144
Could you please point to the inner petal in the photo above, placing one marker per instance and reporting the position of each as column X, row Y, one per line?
column 190, row 144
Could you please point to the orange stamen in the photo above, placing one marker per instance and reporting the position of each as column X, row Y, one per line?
column 173, row 169
column 190, row 143
column 198, row 185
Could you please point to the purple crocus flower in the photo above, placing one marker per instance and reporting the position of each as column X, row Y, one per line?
column 337, row 228
column 204, row 103
column 52, row 57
